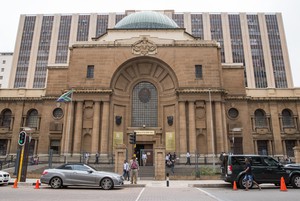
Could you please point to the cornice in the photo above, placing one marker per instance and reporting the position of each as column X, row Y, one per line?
column 193, row 90
column 249, row 98
column 175, row 44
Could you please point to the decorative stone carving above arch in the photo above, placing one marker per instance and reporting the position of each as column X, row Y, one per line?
column 142, row 69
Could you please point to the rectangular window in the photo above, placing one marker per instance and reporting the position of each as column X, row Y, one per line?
column 90, row 71
column 55, row 146
column 198, row 71
column 4, row 61
column 1, row 77
column 290, row 144
column 2, row 69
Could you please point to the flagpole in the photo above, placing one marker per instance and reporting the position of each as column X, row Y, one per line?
column 69, row 128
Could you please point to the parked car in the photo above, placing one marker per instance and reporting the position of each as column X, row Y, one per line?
column 80, row 175
column 4, row 177
column 296, row 165
column 264, row 168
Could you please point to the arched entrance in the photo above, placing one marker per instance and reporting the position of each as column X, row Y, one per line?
column 144, row 96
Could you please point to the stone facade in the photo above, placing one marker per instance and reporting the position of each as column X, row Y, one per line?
column 205, row 115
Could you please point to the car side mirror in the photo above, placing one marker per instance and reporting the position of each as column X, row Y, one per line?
column 90, row 171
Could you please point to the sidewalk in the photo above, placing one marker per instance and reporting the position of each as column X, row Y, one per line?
column 154, row 183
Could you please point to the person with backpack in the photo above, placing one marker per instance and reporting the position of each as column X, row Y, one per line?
column 134, row 167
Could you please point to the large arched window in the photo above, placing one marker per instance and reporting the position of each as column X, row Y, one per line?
column 144, row 105
column 32, row 119
column 260, row 119
column 287, row 118
column 5, row 118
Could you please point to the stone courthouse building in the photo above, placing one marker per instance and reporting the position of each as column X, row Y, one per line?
column 200, row 82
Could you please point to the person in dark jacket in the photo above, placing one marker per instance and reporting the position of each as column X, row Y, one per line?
column 248, row 174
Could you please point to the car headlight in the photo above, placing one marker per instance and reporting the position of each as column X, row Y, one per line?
column 119, row 177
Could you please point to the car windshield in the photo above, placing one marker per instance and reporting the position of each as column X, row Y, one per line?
column 81, row 167
column 271, row 161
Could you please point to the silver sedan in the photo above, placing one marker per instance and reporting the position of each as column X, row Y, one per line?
column 80, row 175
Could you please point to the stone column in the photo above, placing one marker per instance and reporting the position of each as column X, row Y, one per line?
column 104, row 132
column 210, row 131
column 96, row 127
column 276, row 129
column 78, row 128
column 182, row 129
column 297, row 154
column 192, row 128
column 159, row 163
column 120, row 156
column 219, row 131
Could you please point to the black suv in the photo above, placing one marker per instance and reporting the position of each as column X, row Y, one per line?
column 264, row 168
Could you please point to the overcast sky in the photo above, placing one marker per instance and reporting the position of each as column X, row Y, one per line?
column 12, row 9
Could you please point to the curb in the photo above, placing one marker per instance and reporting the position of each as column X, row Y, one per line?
column 210, row 185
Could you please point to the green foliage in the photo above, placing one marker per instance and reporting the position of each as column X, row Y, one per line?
column 204, row 170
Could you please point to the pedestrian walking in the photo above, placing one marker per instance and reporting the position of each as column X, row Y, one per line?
column 188, row 158
column 126, row 170
column 144, row 158
column 86, row 157
column 248, row 175
column 97, row 158
column 134, row 167
column 172, row 166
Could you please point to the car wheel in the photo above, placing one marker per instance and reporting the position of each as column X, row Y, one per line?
column 242, row 183
column 296, row 181
column 56, row 182
column 107, row 183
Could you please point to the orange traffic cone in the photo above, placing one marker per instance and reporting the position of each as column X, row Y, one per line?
column 15, row 183
column 37, row 184
column 282, row 184
column 234, row 186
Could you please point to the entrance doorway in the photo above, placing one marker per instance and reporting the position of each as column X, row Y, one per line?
column 148, row 150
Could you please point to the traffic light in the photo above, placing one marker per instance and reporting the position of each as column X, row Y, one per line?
column 22, row 138
column 132, row 138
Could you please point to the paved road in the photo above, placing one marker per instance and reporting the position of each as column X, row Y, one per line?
column 148, row 190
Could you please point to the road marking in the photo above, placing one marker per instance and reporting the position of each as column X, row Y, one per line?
column 209, row 194
column 140, row 194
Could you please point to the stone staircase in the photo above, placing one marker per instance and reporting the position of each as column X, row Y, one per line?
column 146, row 172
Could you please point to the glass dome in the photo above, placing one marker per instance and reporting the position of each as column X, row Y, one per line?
column 146, row 20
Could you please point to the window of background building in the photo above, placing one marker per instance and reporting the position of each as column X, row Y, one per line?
column 290, row 144
column 58, row 113
column 2, row 69
column 32, row 119
column 24, row 54
column 233, row 113
column 198, row 71
column 90, row 71
column 3, row 147
column 1, row 77
column 260, row 119
column 4, row 61
column 144, row 105
column 5, row 118
column 287, row 118
column 262, row 147
column 63, row 39
column 55, row 146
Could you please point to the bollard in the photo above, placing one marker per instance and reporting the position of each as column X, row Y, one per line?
column 167, row 179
